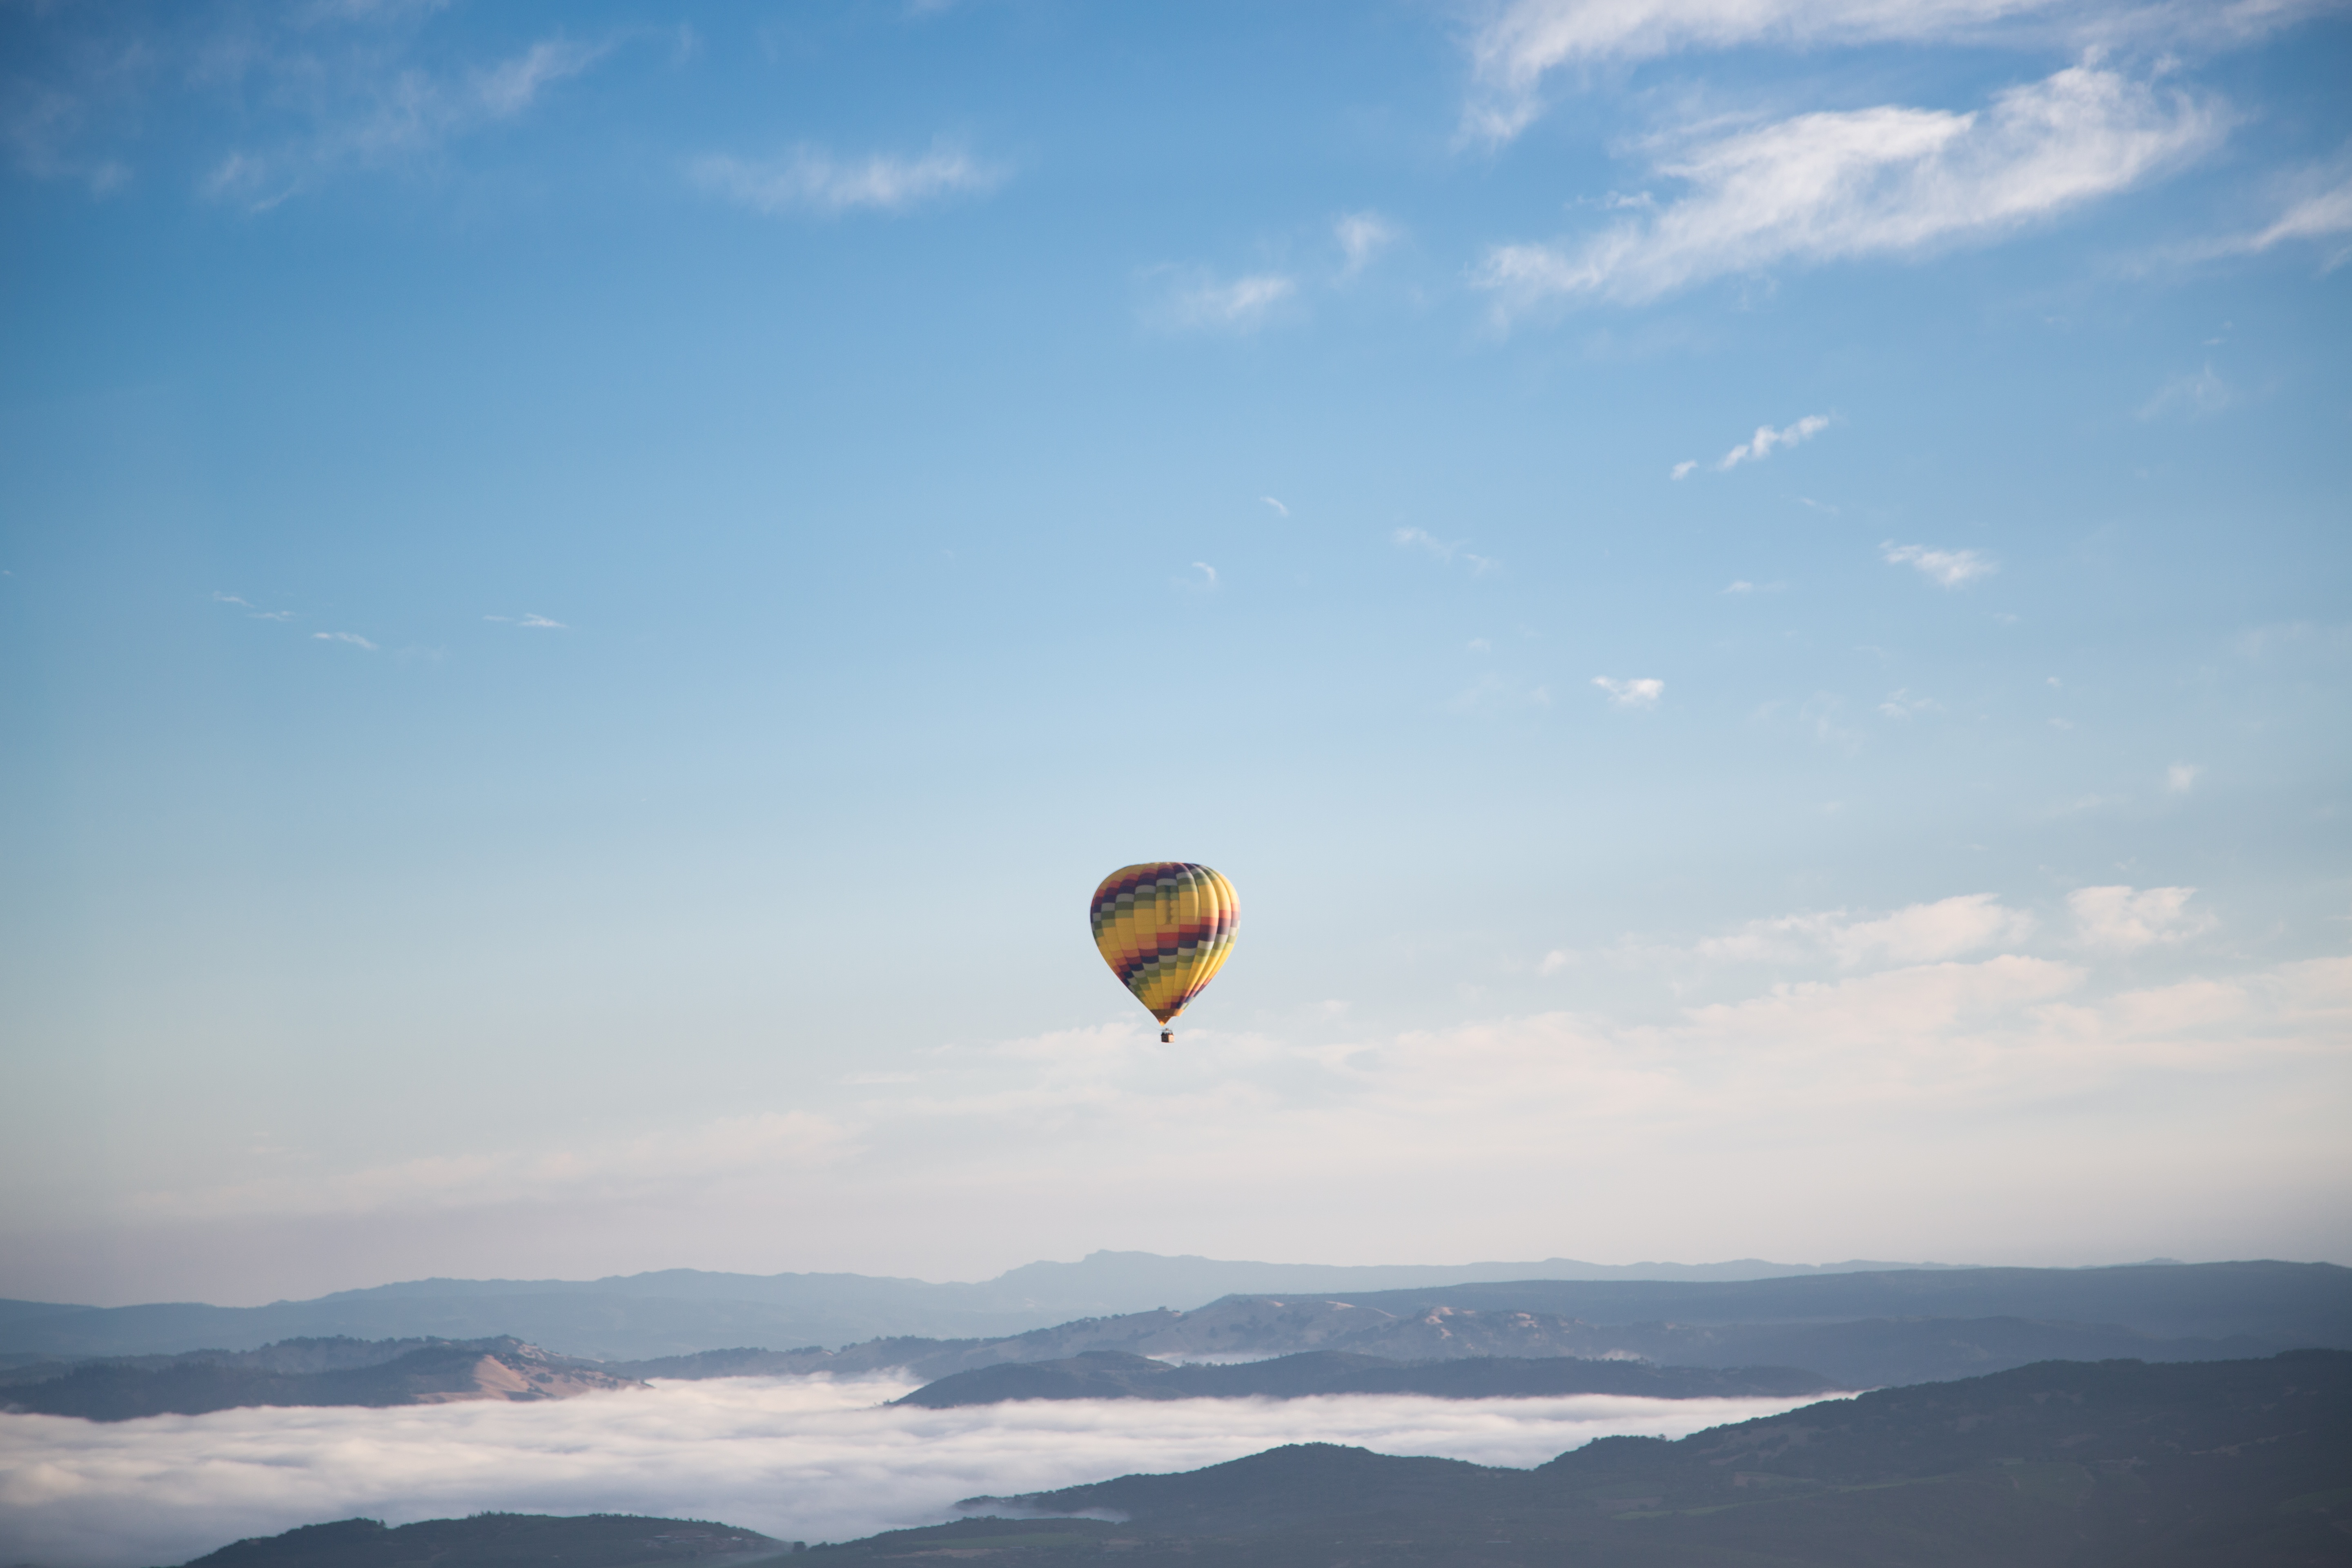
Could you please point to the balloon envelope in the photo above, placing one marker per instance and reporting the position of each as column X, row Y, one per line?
column 1164, row 928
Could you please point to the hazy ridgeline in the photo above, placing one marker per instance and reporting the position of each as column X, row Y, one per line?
column 678, row 1310
column 2262, row 1306
column 1775, row 1336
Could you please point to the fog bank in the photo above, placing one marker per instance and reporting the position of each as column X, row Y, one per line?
column 800, row 1458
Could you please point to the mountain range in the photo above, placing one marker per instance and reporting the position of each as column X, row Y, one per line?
column 683, row 1311
column 675, row 1311
column 1857, row 1330
column 1111, row 1374
column 303, row 1371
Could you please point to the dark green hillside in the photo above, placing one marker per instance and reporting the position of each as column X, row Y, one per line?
column 502, row 1541
column 308, row 1371
column 1112, row 1374
column 2059, row 1465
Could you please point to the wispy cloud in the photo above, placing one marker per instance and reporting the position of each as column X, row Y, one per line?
column 815, row 181
column 2181, row 778
column 386, row 115
column 1363, row 237
column 2322, row 214
column 352, row 637
column 1239, row 305
column 2123, row 918
column 1682, row 469
column 1445, row 550
column 1642, row 691
column 1208, row 574
column 1516, row 46
column 1885, row 182
column 1280, row 510
column 1952, row 568
column 1903, row 703
column 508, row 88
column 542, row 623
column 1768, row 440
column 2196, row 395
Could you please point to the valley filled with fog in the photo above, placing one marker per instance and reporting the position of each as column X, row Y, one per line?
column 797, row 1458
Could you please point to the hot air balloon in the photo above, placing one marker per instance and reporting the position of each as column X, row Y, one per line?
column 1164, row 928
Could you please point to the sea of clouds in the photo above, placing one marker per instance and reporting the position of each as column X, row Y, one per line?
column 799, row 1459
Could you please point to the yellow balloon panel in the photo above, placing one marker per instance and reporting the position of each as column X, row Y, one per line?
column 1165, row 927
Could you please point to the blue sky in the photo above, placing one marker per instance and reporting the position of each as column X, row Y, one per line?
column 1751, row 596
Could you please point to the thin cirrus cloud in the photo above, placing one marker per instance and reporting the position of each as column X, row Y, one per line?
column 813, row 180
column 1642, row 691
column 1241, row 305
column 2325, row 216
column 1520, row 44
column 2192, row 394
column 394, row 115
column 1951, row 568
column 1446, row 550
column 352, row 637
column 1883, row 182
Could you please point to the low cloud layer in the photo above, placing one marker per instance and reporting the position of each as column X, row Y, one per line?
column 807, row 1459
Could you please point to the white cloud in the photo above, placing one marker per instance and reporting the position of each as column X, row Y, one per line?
column 1682, row 470
column 1447, row 550
column 542, row 622
column 800, row 1459
column 1361, row 236
column 352, row 638
column 1889, row 181
column 1902, row 703
column 508, row 88
column 2123, row 918
column 230, row 599
column 1280, row 510
column 2196, row 395
column 1767, row 440
column 1641, row 692
column 2323, row 214
column 1952, row 568
column 814, row 180
column 1917, row 934
column 1242, row 305
column 1518, row 45
column 1207, row 570
column 2321, row 217
column 2181, row 778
